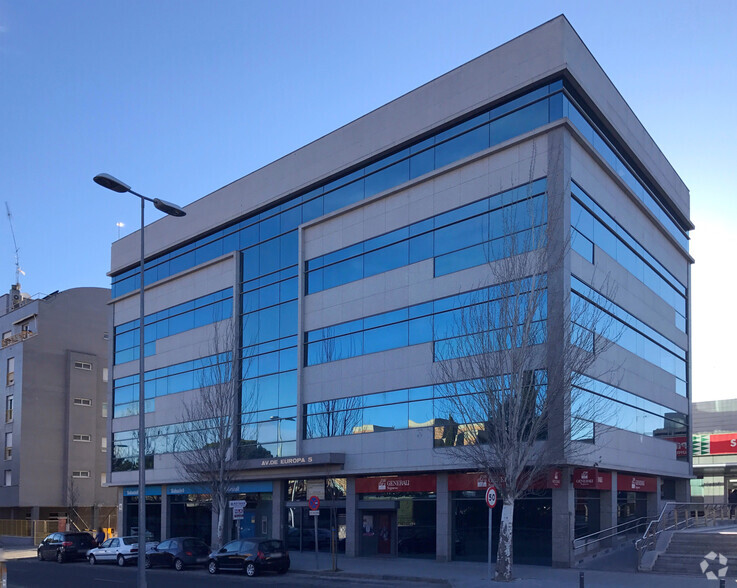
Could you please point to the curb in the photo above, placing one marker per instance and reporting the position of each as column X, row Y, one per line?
column 329, row 575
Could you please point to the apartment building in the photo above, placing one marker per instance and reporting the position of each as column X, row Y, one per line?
column 53, row 374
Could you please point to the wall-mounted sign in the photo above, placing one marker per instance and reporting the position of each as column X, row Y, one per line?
column 383, row 484
column 290, row 462
column 681, row 444
column 591, row 479
column 721, row 444
column 627, row 483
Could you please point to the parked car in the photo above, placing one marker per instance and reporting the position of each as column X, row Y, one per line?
column 120, row 550
column 251, row 556
column 65, row 546
column 178, row 552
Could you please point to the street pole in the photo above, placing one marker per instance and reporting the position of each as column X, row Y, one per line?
column 141, row 427
column 490, row 538
column 111, row 183
column 317, row 555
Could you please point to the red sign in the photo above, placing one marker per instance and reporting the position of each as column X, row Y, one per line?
column 591, row 479
column 479, row 481
column 383, row 484
column 491, row 497
column 682, row 445
column 555, row 478
column 627, row 483
column 314, row 503
column 476, row 481
column 720, row 444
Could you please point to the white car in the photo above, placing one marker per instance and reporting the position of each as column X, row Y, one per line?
column 120, row 550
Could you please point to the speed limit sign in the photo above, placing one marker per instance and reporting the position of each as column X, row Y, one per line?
column 491, row 497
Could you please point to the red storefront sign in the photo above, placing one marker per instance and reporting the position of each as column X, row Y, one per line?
column 626, row 483
column 721, row 444
column 475, row 481
column 479, row 481
column 555, row 478
column 382, row 484
column 682, row 445
column 591, row 479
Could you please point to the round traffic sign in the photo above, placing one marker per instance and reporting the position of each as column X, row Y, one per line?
column 314, row 503
column 491, row 497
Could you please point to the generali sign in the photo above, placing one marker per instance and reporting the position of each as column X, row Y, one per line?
column 381, row 484
column 591, row 479
column 626, row 483
column 479, row 481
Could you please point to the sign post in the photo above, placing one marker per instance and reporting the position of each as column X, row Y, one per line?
column 491, row 503
column 314, row 504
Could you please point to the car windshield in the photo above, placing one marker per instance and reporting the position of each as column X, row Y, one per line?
column 193, row 544
column 130, row 540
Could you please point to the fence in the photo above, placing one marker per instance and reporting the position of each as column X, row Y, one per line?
column 34, row 530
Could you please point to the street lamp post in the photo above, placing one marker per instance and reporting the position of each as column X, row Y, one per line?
column 111, row 183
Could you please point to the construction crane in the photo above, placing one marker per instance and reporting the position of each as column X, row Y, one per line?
column 18, row 271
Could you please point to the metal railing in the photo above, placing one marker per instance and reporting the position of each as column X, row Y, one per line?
column 35, row 530
column 676, row 516
column 582, row 544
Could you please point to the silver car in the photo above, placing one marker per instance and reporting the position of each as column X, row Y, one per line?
column 120, row 550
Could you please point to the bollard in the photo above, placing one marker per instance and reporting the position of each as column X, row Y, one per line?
column 580, row 580
column 722, row 583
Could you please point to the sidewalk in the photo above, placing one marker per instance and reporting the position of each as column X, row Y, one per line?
column 474, row 575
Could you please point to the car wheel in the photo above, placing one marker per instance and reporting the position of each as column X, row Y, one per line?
column 93, row 560
column 59, row 557
column 148, row 562
column 250, row 568
column 178, row 565
column 39, row 555
column 121, row 560
column 282, row 570
column 212, row 567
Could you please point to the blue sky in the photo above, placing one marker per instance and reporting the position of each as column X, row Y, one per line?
column 179, row 98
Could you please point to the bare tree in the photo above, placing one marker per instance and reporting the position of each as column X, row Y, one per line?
column 206, row 441
column 507, row 378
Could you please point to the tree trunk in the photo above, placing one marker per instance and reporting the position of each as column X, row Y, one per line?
column 504, row 551
column 221, row 527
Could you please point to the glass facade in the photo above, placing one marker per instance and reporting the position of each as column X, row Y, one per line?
column 591, row 225
column 436, row 321
column 631, row 333
column 618, row 408
column 465, row 237
column 171, row 321
column 532, row 534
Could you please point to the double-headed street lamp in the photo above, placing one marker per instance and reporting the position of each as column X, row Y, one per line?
column 114, row 184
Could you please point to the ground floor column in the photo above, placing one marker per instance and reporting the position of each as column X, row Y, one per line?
column 165, row 526
column 352, row 525
column 563, row 532
column 277, row 510
column 683, row 490
column 653, row 500
column 442, row 518
column 608, row 509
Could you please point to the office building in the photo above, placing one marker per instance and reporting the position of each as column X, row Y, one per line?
column 340, row 260
column 714, row 445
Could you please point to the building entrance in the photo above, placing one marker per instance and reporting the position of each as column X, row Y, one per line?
column 378, row 532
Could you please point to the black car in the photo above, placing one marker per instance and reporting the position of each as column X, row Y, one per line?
column 178, row 553
column 251, row 556
column 65, row 546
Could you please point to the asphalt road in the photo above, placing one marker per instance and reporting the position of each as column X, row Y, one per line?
column 30, row 573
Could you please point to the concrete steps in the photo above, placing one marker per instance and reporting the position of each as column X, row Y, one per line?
column 686, row 551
